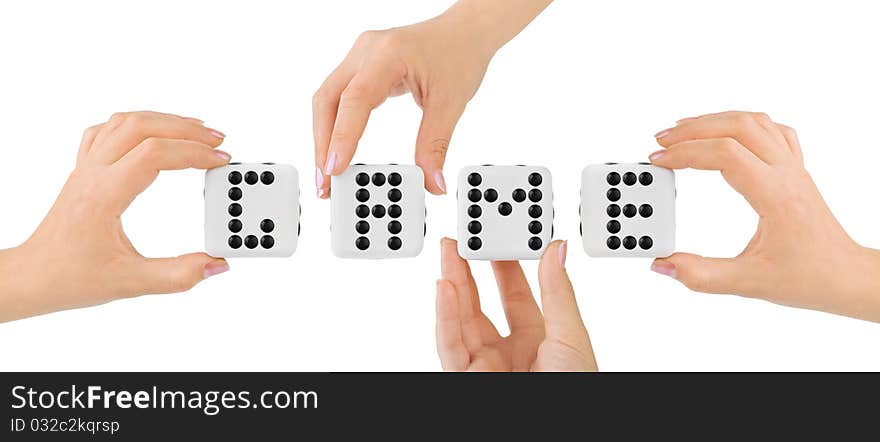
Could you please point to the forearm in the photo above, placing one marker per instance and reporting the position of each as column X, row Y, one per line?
column 862, row 289
column 23, row 284
column 11, row 296
column 846, row 282
column 498, row 21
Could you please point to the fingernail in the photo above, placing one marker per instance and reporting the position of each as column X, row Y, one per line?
column 331, row 164
column 664, row 268
column 215, row 268
column 440, row 181
column 563, row 251
column 662, row 133
column 217, row 134
column 656, row 155
column 223, row 155
column 319, row 181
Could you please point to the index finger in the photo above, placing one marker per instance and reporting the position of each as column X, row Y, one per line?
column 739, row 166
column 562, row 317
column 125, row 131
column 140, row 167
column 367, row 90
column 520, row 306
column 476, row 329
column 325, row 104
column 88, row 139
column 754, row 131
column 453, row 353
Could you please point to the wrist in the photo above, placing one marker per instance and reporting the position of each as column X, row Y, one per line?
column 492, row 23
column 22, row 292
column 861, row 286
column 11, row 299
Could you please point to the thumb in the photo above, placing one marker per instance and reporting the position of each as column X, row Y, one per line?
column 562, row 319
column 432, row 143
column 172, row 275
column 708, row 275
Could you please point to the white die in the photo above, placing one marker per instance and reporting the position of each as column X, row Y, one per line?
column 628, row 210
column 504, row 212
column 251, row 210
column 378, row 211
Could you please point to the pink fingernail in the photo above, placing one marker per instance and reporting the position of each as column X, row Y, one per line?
column 664, row 268
column 662, row 133
column 331, row 163
column 440, row 181
column 223, row 155
column 319, row 180
column 215, row 268
column 563, row 251
column 217, row 134
column 656, row 155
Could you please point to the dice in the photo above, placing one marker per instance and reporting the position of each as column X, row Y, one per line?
column 252, row 210
column 378, row 211
column 504, row 212
column 628, row 210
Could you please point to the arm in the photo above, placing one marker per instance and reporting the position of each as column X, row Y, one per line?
column 79, row 255
column 13, row 283
column 859, row 289
column 550, row 338
column 441, row 62
column 800, row 255
column 498, row 21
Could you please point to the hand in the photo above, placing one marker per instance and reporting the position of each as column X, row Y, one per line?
column 441, row 62
column 800, row 255
column 467, row 340
column 79, row 255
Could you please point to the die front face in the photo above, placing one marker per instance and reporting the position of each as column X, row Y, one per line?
column 504, row 212
column 378, row 211
column 628, row 210
column 251, row 210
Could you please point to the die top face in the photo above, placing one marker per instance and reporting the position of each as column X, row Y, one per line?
column 378, row 211
column 628, row 210
column 251, row 210
column 504, row 212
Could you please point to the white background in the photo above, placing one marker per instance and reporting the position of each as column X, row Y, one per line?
column 587, row 82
